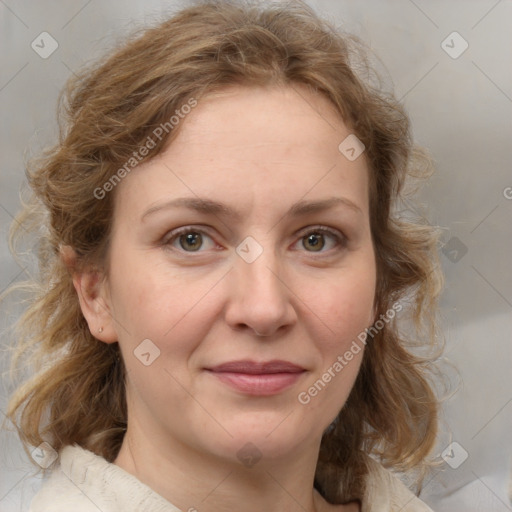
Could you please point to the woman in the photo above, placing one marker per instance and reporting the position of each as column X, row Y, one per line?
column 222, row 275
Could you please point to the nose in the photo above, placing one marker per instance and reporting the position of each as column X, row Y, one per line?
column 261, row 300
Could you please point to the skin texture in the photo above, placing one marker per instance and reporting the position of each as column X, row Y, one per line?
column 259, row 151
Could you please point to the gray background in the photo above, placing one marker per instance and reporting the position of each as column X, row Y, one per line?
column 460, row 109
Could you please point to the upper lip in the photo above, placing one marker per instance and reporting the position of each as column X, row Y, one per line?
column 257, row 368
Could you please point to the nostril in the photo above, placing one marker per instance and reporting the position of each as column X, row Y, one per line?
column 245, row 327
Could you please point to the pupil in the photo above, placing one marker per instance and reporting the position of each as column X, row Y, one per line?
column 314, row 241
column 192, row 241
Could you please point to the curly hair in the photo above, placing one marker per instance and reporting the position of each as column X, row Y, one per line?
column 110, row 108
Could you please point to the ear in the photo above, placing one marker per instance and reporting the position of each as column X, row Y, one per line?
column 92, row 289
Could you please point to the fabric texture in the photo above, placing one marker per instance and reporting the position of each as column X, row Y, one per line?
column 85, row 482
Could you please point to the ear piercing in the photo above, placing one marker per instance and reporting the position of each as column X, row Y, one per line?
column 100, row 330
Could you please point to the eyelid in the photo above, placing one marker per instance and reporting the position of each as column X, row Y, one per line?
column 340, row 238
column 174, row 234
column 320, row 228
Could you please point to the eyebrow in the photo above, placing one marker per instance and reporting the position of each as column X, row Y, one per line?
column 210, row 207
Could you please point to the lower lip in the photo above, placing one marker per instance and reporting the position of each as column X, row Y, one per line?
column 261, row 384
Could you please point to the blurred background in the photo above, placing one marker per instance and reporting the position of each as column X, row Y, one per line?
column 450, row 64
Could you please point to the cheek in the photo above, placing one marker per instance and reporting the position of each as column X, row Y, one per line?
column 167, row 307
column 171, row 312
column 346, row 308
column 354, row 308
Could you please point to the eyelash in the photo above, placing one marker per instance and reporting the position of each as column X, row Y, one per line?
column 340, row 240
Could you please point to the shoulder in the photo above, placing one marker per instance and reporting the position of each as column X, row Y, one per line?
column 85, row 482
column 58, row 494
column 383, row 487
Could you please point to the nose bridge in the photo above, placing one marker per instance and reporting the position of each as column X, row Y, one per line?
column 260, row 272
column 262, row 276
column 260, row 299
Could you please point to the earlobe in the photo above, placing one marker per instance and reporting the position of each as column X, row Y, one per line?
column 91, row 287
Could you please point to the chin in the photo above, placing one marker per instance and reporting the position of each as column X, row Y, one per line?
column 258, row 441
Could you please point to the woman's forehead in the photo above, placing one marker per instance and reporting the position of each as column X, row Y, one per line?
column 279, row 109
column 255, row 144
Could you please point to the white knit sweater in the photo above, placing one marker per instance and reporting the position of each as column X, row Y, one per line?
column 85, row 482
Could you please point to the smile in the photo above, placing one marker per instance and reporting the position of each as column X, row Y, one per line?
column 258, row 379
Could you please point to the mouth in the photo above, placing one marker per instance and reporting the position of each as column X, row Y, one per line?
column 258, row 379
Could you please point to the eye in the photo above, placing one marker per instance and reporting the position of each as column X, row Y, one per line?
column 189, row 240
column 319, row 238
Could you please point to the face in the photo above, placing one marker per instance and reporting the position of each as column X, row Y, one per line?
column 243, row 256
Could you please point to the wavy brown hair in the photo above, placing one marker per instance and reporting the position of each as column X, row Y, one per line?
column 110, row 109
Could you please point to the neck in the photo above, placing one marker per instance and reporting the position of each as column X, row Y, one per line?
column 193, row 482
